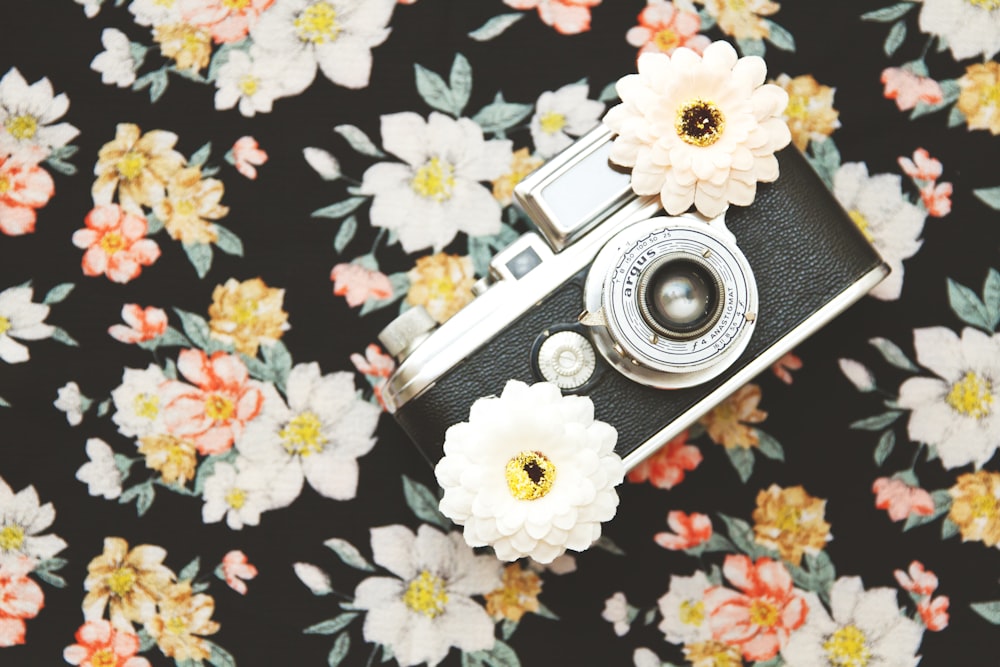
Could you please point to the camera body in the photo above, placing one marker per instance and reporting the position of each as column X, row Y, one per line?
column 657, row 319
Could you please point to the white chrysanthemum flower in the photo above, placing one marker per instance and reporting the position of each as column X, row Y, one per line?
column 254, row 80
column 889, row 222
column 970, row 27
column 20, row 318
column 22, row 518
column 240, row 492
column 100, row 473
column 115, row 64
column 155, row 12
column 72, row 402
column 867, row 628
column 683, row 610
column 317, row 436
column 561, row 115
column 139, row 402
column 336, row 35
column 429, row 608
column 532, row 473
column 27, row 118
column 699, row 130
column 957, row 412
column 437, row 192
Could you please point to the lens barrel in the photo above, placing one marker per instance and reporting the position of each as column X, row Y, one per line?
column 680, row 296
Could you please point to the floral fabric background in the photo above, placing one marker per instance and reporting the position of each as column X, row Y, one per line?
column 209, row 208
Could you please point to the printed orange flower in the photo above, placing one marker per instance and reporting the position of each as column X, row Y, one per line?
column 116, row 244
column 237, row 570
column 522, row 163
column 20, row 598
column 934, row 612
column 810, row 113
column 247, row 156
column 357, row 284
column 568, row 17
column 442, row 284
column 24, row 187
column 760, row 618
column 741, row 18
column 99, row 644
column 922, row 167
column 226, row 20
column 143, row 324
column 783, row 367
column 918, row 580
column 375, row 363
column 712, row 654
column 900, row 499
column 181, row 621
column 129, row 583
column 175, row 459
column 665, row 469
column 726, row 423
column 517, row 594
column 214, row 411
column 247, row 314
column 664, row 27
column 908, row 88
column 690, row 530
column 975, row 507
column 139, row 167
column 190, row 204
column 978, row 97
column 790, row 521
column 937, row 199
column 189, row 46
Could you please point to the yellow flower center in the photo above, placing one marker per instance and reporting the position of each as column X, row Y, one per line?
column 736, row 5
column 112, row 242
column 11, row 538
column 249, row 85
column 700, row 123
column 121, row 581
column 131, row 165
column 218, row 408
column 318, row 24
column 972, row 396
column 788, row 519
column 22, row 127
column 988, row 5
column 763, row 613
column 164, row 3
column 692, row 613
column 666, row 40
column 185, row 208
column 235, row 4
column 443, row 288
column 798, row 107
column 5, row 325
column 146, row 406
column 530, row 475
column 177, row 626
column 985, row 506
column 245, row 311
column 236, row 498
column 426, row 595
column 861, row 222
column 104, row 658
column 551, row 122
column 847, row 648
column 435, row 180
column 4, row 184
column 303, row 435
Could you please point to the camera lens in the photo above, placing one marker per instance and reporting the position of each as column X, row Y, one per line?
column 679, row 297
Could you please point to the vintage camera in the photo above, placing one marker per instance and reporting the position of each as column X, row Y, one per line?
column 657, row 319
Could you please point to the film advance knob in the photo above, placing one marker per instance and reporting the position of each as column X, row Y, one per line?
column 404, row 332
column 566, row 359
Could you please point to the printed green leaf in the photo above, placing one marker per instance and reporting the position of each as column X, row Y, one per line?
column 190, row 571
column 715, row 543
column 153, row 224
column 989, row 196
column 988, row 610
column 61, row 166
column 156, row 81
column 897, row 33
column 339, row 651
column 768, row 446
column 878, row 422
column 605, row 543
column 348, row 553
column 50, row 578
column 423, row 503
column 495, row 26
column 219, row 656
column 278, row 360
column 956, row 118
column 4, row 403
column 143, row 494
column 891, row 353
column 200, row 256
column 222, row 55
column 228, row 242
column 138, row 53
column 499, row 115
column 200, row 156
column 507, row 628
column 949, row 529
column 991, row 297
column 609, row 93
column 400, row 286
column 740, row 533
column 885, row 445
column 949, row 93
column 942, row 503
column 742, row 460
column 967, row 306
column 358, row 140
column 333, row 625
column 460, row 80
column 751, row 46
column 207, row 468
column 58, row 293
column 825, row 159
column 195, row 327
column 888, row 14
column 340, row 209
column 780, row 37
column 434, row 91
column 501, row 655
column 345, row 234
column 60, row 335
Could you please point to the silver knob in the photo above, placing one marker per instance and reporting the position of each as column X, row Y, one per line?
column 567, row 360
column 406, row 332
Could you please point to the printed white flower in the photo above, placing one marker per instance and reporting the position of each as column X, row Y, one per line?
column 115, row 64
column 561, row 115
column 315, row 579
column 436, row 193
column 27, row 114
column 335, row 35
column 867, row 628
column 699, row 130
column 888, row 221
column 254, row 80
column 532, row 473
column 428, row 609
column 239, row 492
column 139, row 402
column 616, row 612
column 858, row 374
column 90, row 7
column 22, row 518
column 683, row 610
column 644, row 657
column 969, row 27
column 318, row 436
column 20, row 318
column 155, row 12
column 72, row 402
column 957, row 412
column 100, row 474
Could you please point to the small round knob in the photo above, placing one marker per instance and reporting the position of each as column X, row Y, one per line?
column 566, row 359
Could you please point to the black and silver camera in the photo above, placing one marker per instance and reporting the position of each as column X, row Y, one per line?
column 614, row 300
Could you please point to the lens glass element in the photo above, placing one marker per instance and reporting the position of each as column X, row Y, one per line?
column 681, row 296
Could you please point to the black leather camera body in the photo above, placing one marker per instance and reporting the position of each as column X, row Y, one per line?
column 657, row 319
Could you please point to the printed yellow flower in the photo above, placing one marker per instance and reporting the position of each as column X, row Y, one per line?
column 129, row 583
column 727, row 422
column 190, row 203
column 518, row 594
column 442, row 284
column 137, row 166
column 742, row 18
column 790, row 521
column 522, row 164
column 174, row 458
column 181, row 619
column 189, row 46
column 713, row 654
column 810, row 113
column 247, row 314
column 975, row 507
column 979, row 99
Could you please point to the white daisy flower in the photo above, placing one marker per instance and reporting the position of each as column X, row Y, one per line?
column 155, row 12
column 27, row 118
column 887, row 220
column 957, row 412
column 100, row 473
column 139, row 402
column 90, row 7
column 683, row 610
column 254, row 80
column 335, row 35
column 561, row 115
column 240, row 492
column 428, row 609
column 20, row 318
column 72, row 402
column 436, row 193
column 115, row 64
column 699, row 129
column 970, row 27
column 616, row 612
column 867, row 628
column 317, row 436
column 532, row 473
column 22, row 518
